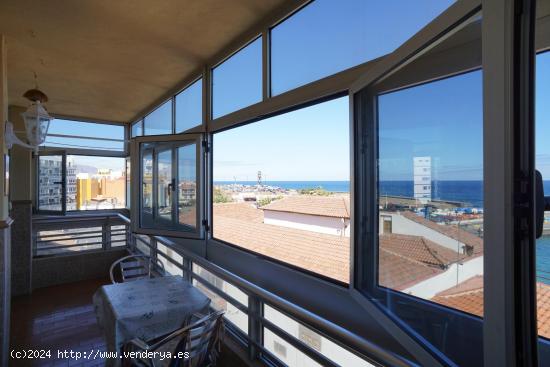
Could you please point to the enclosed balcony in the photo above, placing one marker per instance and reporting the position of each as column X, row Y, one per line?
column 275, row 183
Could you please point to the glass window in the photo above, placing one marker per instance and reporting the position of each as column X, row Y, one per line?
column 169, row 186
column 166, row 252
column 128, row 181
column 95, row 182
column 50, row 183
column 293, row 357
column 237, row 82
column 159, row 122
column 147, row 187
column 281, row 188
column 187, row 185
column 189, row 107
column 326, row 37
column 137, row 128
column 542, row 118
column 164, row 186
column 84, row 135
column 232, row 313
column 430, row 167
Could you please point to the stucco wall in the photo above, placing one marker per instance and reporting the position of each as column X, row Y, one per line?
column 313, row 223
column 451, row 277
column 403, row 225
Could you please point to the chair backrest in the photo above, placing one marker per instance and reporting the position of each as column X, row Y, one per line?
column 133, row 267
column 200, row 340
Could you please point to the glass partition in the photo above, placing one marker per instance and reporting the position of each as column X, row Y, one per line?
column 169, row 180
column 237, row 82
column 159, row 122
column 189, row 107
column 326, row 36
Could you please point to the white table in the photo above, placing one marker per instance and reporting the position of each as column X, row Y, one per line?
column 145, row 309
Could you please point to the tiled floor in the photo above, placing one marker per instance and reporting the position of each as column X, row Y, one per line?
column 57, row 318
column 62, row 318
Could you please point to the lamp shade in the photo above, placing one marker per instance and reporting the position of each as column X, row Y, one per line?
column 37, row 123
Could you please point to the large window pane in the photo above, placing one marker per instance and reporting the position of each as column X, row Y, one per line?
column 169, row 186
column 164, row 187
column 281, row 188
column 187, row 185
column 50, row 184
column 189, row 107
column 237, row 82
column 431, row 191
column 232, row 313
column 328, row 36
column 137, row 128
column 95, row 182
column 292, row 356
column 159, row 121
column 84, row 135
column 542, row 118
column 147, row 188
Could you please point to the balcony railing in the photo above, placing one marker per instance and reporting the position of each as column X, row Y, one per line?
column 253, row 314
column 54, row 236
column 256, row 318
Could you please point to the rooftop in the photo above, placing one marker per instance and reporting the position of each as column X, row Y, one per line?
column 468, row 297
column 327, row 206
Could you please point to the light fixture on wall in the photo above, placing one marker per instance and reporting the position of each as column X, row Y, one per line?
column 37, row 122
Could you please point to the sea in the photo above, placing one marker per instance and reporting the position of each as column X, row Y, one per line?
column 468, row 192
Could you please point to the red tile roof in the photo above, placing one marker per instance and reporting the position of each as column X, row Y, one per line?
column 404, row 260
column 468, row 297
column 450, row 231
column 327, row 206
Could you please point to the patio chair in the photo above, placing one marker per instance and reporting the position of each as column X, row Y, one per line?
column 201, row 341
column 134, row 267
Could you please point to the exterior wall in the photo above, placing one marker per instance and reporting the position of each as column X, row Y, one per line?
column 48, row 271
column 450, row 278
column 402, row 225
column 293, row 357
column 306, row 222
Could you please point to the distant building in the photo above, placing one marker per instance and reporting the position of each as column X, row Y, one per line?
column 322, row 214
column 422, row 167
column 50, row 178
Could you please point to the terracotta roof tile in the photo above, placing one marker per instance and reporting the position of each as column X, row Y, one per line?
column 420, row 249
column 328, row 206
column 449, row 231
column 404, row 260
column 468, row 297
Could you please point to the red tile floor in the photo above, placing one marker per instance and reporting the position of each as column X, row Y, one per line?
column 62, row 318
column 57, row 318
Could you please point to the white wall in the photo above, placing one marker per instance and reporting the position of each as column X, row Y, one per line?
column 456, row 273
column 295, row 358
column 403, row 225
column 306, row 222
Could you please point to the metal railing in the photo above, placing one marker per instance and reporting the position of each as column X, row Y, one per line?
column 53, row 236
column 243, row 301
column 258, row 298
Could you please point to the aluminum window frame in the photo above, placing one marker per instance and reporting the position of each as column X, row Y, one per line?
column 136, row 175
column 318, row 293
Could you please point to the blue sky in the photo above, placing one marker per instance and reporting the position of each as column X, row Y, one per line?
column 441, row 119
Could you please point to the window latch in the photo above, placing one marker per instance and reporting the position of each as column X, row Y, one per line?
column 206, row 146
column 205, row 225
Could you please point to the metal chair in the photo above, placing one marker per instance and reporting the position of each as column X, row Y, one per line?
column 197, row 345
column 134, row 267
